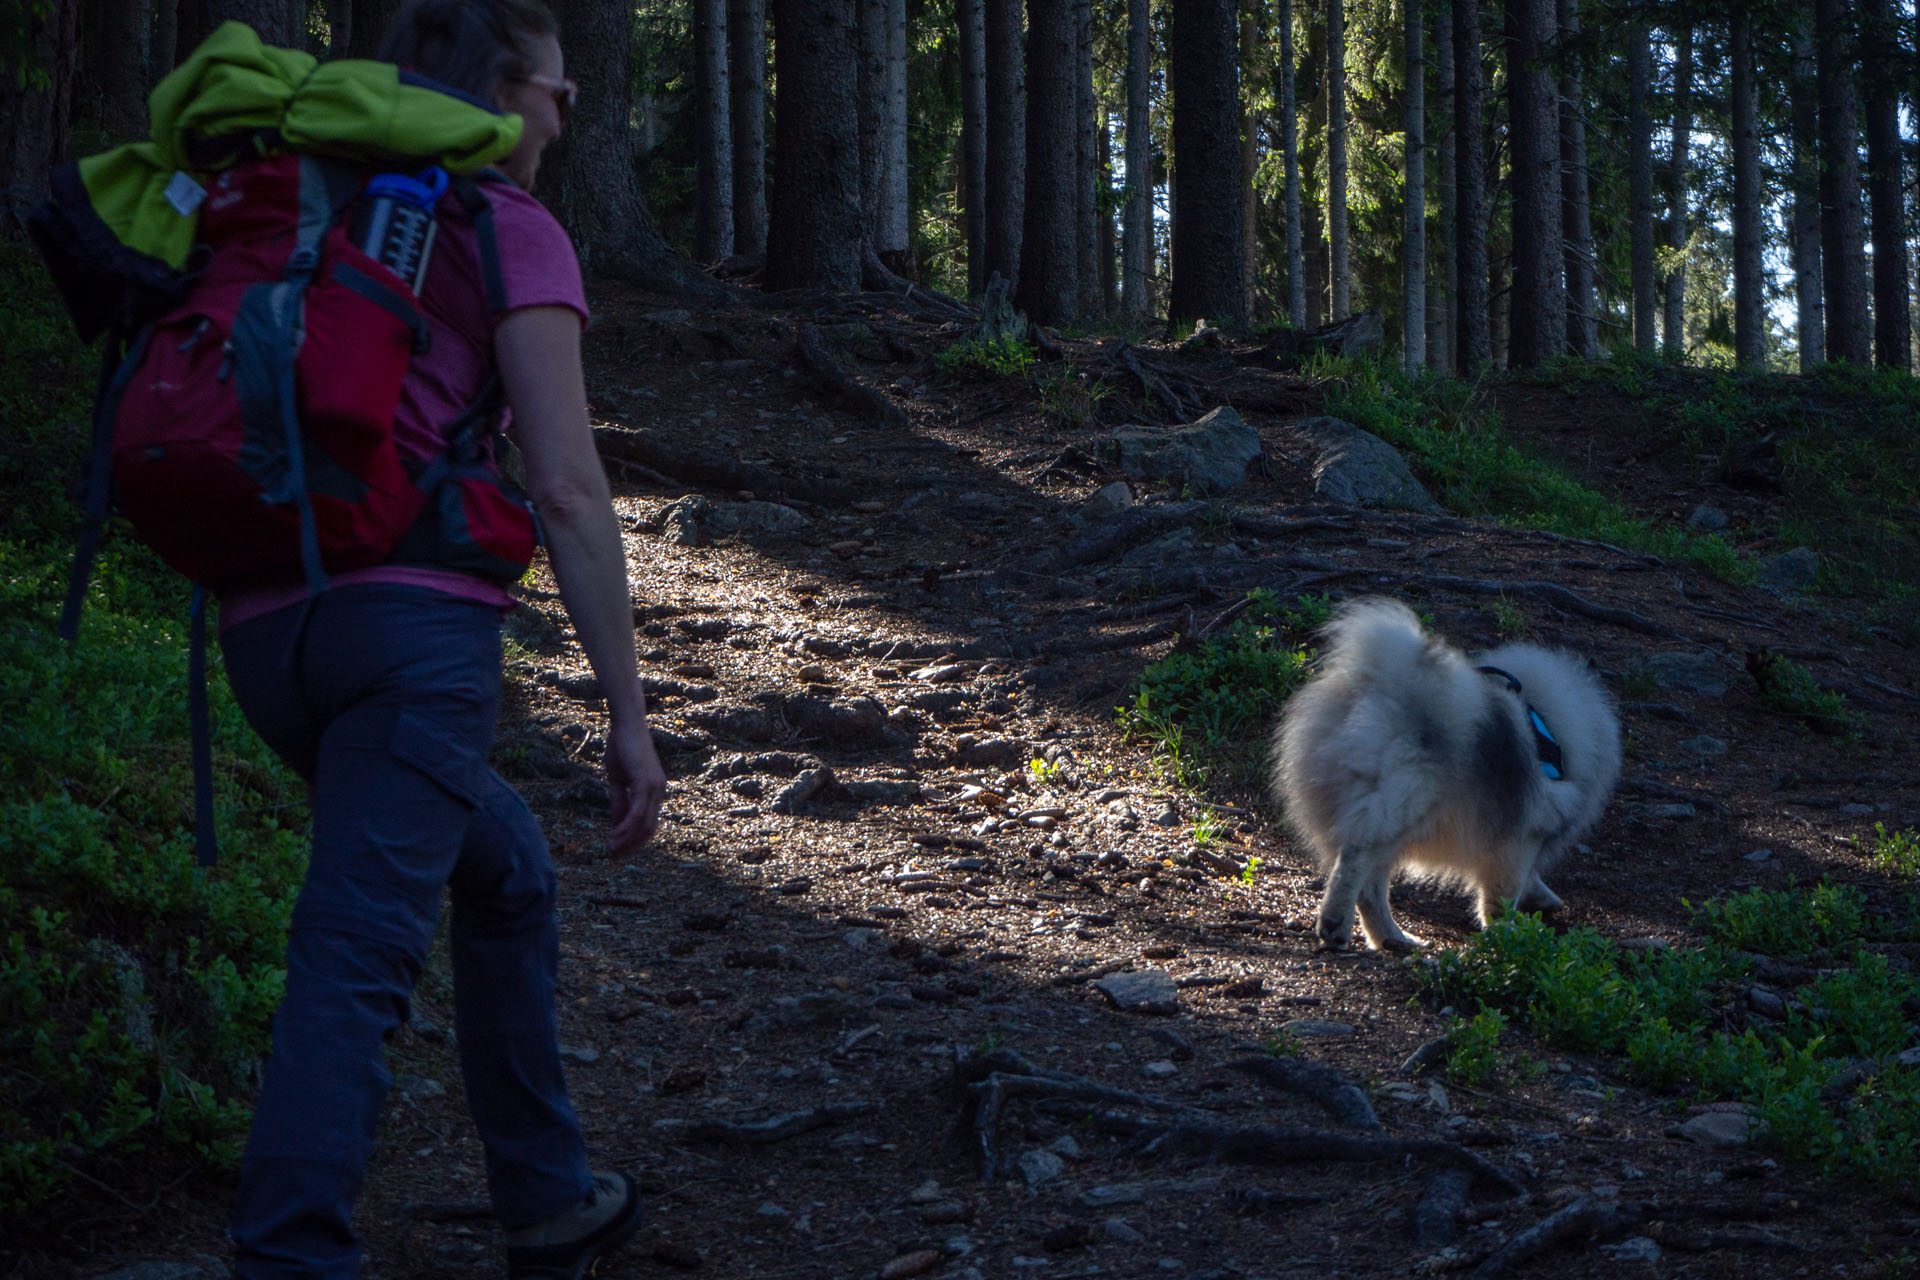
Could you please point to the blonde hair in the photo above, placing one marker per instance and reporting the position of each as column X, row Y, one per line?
column 469, row 45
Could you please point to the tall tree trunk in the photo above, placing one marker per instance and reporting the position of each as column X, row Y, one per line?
column 815, row 242
column 1049, row 288
column 1087, row 170
column 1413, row 266
column 1809, row 287
column 1204, row 66
column 1539, row 308
column 37, row 78
column 1892, row 326
column 1249, row 158
column 1470, row 173
column 1640, row 183
column 1006, row 137
column 1674, row 327
column 713, row 135
column 1749, row 292
column 339, row 27
column 1440, row 343
column 371, row 18
column 1136, row 239
column 121, row 69
column 1290, row 156
column 973, row 139
column 1341, row 262
column 1576, row 220
column 1106, row 246
column 896, row 202
column 587, row 177
column 165, row 40
column 1842, row 231
column 747, row 117
column 874, row 104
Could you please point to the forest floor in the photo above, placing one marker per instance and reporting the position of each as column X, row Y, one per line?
column 940, row 620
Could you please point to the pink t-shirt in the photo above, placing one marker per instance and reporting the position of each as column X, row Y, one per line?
column 538, row 268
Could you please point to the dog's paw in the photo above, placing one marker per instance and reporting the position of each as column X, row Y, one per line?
column 1400, row 941
column 1335, row 937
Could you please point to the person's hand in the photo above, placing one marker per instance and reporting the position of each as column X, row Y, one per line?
column 636, row 785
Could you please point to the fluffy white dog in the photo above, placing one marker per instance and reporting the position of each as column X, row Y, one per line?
column 1405, row 754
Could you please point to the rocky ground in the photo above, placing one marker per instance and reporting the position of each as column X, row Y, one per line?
column 865, row 896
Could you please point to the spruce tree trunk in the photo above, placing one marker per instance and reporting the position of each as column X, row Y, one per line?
column 165, row 40
column 120, row 70
column 1413, row 249
column 872, row 89
column 1892, row 324
column 815, row 242
column 713, row 135
column 1107, row 246
column 1290, row 149
column 371, row 18
column 339, row 27
column 1809, row 288
column 1842, row 230
column 1576, row 221
column 1341, row 262
column 1006, row 137
column 36, row 123
column 1049, row 287
column 973, row 139
column 1204, row 67
column 1749, row 291
column 1472, row 318
column 1087, row 179
column 587, row 177
column 1136, row 236
column 1249, row 158
column 1440, row 342
column 1539, row 315
column 1674, row 326
column 896, row 220
column 1640, row 184
column 747, row 116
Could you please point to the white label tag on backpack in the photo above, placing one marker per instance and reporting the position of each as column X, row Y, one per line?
column 184, row 194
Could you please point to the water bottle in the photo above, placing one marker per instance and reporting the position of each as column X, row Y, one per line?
column 394, row 224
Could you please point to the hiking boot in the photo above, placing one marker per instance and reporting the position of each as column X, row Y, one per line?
column 567, row 1245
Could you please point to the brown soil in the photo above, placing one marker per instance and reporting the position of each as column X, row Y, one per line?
column 949, row 541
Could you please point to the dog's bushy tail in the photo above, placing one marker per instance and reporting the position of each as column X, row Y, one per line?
column 1373, row 636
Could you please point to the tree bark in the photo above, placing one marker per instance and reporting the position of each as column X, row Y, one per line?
column 1892, row 324
column 1674, row 325
column 371, row 18
column 1340, row 264
column 1413, row 250
column 1809, row 288
column 713, row 135
column 1842, row 231
column 1108, row 246
column 1538, row 316
column 1249, row 159
column 747, row 117
column 1440, row 342
column 587, row 177
column 815, row 242
column 1290, row 149
column 1006, row 138
column 1576, row 221
column 973, row 139
column 1049, row 288
column 36, row 106
column 120, row 69
column 872, row 88
column 1136, row 237
column 164, row 42
column 1749, row 294
column 1087, row 172
column 1640, row 184
column 1470, row 160
column 896, row 201
column 1204, row 65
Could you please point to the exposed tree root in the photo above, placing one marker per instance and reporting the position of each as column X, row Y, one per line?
column 624, row 446
column 1181, row 400
column 1436, row 1214
column 812, row 352
column 1319, row 1084
column 778, row 1128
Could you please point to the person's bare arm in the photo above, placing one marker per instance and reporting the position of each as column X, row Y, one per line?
column 539, row 353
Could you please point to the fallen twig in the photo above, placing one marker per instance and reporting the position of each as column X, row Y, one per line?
column 780, row 1127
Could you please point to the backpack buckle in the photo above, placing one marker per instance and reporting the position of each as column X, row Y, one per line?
column 301, row 262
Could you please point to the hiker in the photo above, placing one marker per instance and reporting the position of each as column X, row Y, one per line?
column 382, row 691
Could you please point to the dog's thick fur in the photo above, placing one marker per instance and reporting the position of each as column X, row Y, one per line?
column 1399, row 755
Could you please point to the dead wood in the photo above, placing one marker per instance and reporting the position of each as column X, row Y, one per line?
column 1550, row 593
column 1583, row 1216
column 1436, row 1214
column 778, row 1128
column 1319, row 1084
column 715, row 471
column 875, row 275
column 811, row 350
column 1179, row 398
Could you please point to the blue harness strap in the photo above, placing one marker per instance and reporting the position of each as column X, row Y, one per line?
column 1546, row 748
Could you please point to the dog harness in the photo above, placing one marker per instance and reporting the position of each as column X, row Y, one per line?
column 1545, row 747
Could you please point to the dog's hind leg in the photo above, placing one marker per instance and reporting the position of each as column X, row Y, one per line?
column 1356, row 867
column 1376, row 915
column 1537, row 897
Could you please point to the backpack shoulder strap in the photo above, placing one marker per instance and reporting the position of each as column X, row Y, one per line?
column 480, row 209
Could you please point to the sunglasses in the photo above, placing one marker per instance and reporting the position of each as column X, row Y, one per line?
column 564, row 92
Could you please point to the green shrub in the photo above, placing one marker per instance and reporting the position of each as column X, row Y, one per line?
column 1895, row 851
column 1793, row 926
column 1003, row 356
column 1787, row 686
column 1473, row 1048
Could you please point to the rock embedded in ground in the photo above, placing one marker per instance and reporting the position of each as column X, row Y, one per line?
column 1318, row 1028
column 1360, row 469
column 1699, row 671
column 1208, row 456
column 1718, row 1129
column 1789, row 571
column 796, row 794
column 1149, row 991
column 1038, row 1167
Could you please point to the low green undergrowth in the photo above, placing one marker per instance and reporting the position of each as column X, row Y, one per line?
column 135, row 986
column 1818, row 1062
column 1001, row 356
column 1205, row 711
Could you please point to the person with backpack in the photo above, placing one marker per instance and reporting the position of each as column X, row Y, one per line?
column 382, row 691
